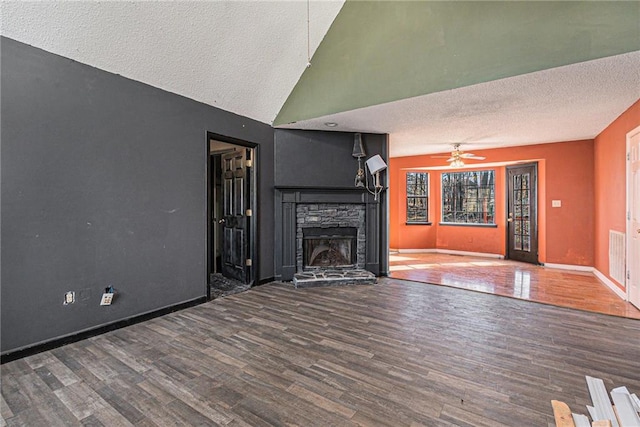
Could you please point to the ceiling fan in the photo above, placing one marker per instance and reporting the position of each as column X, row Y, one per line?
column 457, row 156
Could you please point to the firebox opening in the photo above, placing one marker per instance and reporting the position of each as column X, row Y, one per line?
column 329, row 247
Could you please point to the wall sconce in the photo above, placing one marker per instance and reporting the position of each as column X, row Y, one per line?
column 358, row 152
column 375, row 165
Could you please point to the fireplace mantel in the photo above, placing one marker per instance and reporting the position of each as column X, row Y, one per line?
column 287, row 199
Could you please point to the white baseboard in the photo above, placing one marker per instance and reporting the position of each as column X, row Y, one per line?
column 604, row 279
column 571, row 267
column 450, row 252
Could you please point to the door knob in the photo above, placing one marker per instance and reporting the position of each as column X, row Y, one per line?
column 510, row 219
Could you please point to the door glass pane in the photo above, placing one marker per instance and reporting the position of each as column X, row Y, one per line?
column 517, row 242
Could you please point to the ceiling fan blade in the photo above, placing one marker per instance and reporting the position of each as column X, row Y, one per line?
column 470, row 156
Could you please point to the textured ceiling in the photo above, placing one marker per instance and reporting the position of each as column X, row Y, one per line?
column 490, row 86
column 561, row 104
column 491, row 74
column 379, row 52
column 243, row 57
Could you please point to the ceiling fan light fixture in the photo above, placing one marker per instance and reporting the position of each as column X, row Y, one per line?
column 457, row 163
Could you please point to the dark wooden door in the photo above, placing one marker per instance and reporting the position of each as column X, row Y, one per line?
column 235, row 227
column 522, row 214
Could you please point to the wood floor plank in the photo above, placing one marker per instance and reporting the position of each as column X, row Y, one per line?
column 398, row 354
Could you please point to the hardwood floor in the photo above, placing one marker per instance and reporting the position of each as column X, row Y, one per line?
column 564, row 288
column 395, row 354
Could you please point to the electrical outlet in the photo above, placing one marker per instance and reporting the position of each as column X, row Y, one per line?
column 106, row 298
column 69, row 298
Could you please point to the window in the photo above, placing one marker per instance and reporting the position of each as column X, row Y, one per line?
column 417, row 198
column 468, row 197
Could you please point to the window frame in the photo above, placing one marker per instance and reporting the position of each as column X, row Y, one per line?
column 490, row 211
column 412, row 196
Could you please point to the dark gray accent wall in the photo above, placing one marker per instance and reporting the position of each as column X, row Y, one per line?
column 317, row 167
column 104, row 183
column 320, row 159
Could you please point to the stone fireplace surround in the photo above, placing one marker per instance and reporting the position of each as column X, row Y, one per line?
column 329, row 215
column 297, row 208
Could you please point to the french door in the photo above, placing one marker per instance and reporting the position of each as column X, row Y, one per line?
column 522, row 213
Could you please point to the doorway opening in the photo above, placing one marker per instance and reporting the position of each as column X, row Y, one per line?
column 231, row 215
column 522, row 213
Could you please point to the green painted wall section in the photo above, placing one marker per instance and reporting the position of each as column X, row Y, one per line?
column 382, row 51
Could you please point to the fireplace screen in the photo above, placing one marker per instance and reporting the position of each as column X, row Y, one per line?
column 329, row 247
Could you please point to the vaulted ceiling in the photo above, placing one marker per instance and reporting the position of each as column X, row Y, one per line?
column 487, row 74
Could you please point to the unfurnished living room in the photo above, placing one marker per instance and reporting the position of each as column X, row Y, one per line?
column 320, row 213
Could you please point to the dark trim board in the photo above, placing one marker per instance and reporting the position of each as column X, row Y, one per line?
column 265, row 281
column 59, row 342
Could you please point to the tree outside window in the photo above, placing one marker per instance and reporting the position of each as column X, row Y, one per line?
column 468, row 197
column 417, row 197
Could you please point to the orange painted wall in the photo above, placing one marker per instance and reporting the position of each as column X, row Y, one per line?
column 565, row 235
column 610, row 183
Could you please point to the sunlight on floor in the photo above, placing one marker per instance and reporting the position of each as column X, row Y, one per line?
column 396, row 258
column 400, row 267
column 423, row 265
column 522, row 285
column 487, row 263
column 567, row 288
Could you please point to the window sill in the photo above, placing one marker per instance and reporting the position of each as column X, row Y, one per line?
column 463, row 224
column 418, row 223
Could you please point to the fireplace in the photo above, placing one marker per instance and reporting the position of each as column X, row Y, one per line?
column 330, row 247
column 330, row 236
column 300, row 210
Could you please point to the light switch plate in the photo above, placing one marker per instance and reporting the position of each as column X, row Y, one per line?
column 556, row 203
